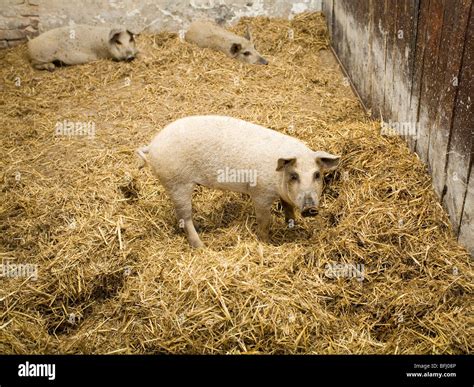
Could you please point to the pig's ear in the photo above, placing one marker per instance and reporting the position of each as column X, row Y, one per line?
column 235, row 48
column 248, row 34
column 114, row 35
column 132, row 35
column 327, row 161
column 282, row 163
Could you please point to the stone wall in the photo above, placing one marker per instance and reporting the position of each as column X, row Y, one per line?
column 22, row 18
column 18, row 19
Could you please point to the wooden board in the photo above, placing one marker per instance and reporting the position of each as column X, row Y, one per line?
column 402, row 59
column 411, row 82
column 460, row 152
column 452, row 42
column 377, row 54
column 466, row 232
column 327, row 9
column 429, row 95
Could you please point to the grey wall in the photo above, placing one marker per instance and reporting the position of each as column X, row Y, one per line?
column 21, row 18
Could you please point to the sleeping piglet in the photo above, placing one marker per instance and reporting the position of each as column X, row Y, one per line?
column 78, row 44
column 231, row 154
column 207, row 34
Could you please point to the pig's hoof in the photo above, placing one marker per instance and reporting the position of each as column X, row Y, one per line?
column 45, row 66
column 196, row 244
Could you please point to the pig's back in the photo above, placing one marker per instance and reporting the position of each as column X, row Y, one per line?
column 48, row 42
column 207, row 143
column 60, row 42
column 208, row 34
column 226, row 133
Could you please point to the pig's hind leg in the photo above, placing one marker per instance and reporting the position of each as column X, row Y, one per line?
column 181, row 195
column 43, row 66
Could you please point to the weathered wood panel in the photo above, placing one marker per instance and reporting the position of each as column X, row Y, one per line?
column 452, row 41
column 466, row 234
column 360, row 25
column 403, row 59
column 327, row 9
column 417, row 69
column 389, row 18
column 377, row 54
column 411, row 62
column 338, row 28
column 460, row 152
column 429, row 95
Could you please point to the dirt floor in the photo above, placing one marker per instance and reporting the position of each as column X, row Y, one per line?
column 115, row 273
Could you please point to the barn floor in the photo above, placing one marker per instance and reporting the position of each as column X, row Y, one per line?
column 115, row 274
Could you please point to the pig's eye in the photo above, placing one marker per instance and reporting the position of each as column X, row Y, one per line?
column 317, row 175
column 246, row 53
column 294, row 176
column 119, row 42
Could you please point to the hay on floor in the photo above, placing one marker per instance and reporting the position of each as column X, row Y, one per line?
column 116, row 275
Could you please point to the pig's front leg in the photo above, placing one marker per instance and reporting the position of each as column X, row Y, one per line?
column 77, row 58
column 263, row 207
column 181, row 195
column 289, row 211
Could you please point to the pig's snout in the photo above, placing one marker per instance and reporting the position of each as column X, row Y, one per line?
column 262, row 61
column 308, row 202
column 309, row 212
column 130, row 54
column 309, row 205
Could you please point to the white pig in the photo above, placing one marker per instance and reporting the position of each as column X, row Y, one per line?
column 207, row 34
column 231, row 154
column 78, row 44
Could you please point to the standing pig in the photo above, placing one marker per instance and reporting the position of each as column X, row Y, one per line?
column 207, row 34
column 80, row 44
column 231, row 154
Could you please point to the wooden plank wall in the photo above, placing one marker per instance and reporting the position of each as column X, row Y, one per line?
column 412, row 63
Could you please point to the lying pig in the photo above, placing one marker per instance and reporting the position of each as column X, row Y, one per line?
column 231, row 154
column 80, row 44
column 207, row 34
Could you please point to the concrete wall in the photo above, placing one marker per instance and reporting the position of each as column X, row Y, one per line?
column 21, row 18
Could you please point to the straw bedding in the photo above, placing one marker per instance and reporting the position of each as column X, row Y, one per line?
column 115, row 273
